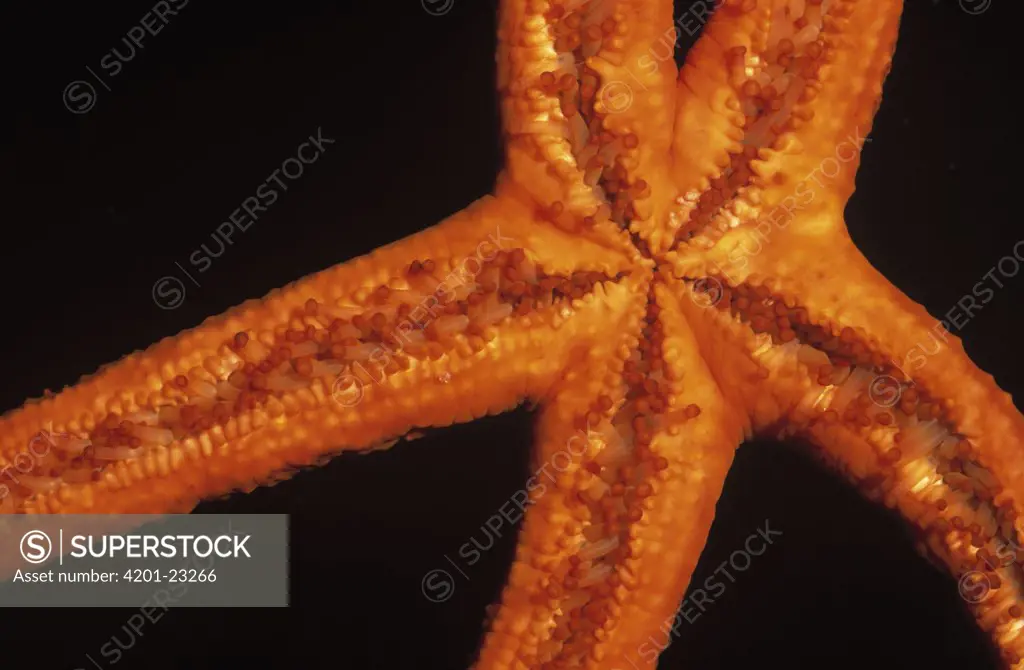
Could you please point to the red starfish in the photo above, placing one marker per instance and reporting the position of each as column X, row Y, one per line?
column 764, row 318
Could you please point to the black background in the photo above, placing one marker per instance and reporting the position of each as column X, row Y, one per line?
column 99, row 206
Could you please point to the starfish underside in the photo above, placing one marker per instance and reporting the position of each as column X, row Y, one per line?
column 663, row 268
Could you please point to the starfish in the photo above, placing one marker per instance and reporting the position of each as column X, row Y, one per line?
column 663, row 268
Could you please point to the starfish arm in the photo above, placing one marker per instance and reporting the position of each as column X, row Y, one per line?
column 836, row 354
column 522, row 625
column 610, row 540
column 785, row 103
column 461, row 320
column 587, row 110
column 636, row 71
column 697, row 437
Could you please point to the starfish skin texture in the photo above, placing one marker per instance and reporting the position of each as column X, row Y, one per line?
column 663, row 268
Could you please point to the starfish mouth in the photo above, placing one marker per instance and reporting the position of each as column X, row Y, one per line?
column 318, row 351
column 901, row 445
